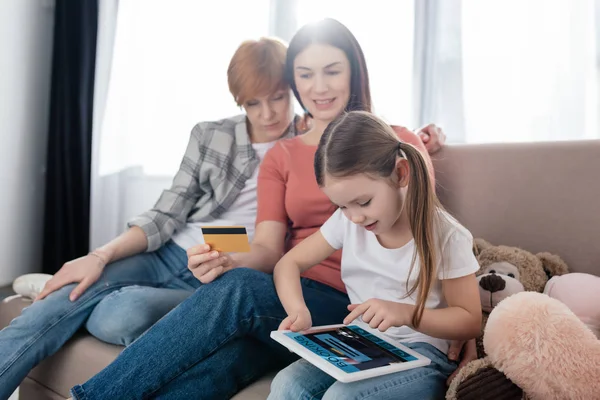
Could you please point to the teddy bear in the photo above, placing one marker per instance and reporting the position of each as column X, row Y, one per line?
column 504, row 271
column 548, row 344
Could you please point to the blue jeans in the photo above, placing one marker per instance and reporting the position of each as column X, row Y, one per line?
column 304, row 381
column 213, row 344
column 123, row 315
column 44, row 326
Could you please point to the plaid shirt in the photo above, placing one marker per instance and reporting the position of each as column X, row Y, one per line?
column 218, row 160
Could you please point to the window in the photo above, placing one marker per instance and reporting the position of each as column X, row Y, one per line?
column 529, row 70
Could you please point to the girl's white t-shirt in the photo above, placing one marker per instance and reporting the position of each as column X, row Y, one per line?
column 370, row 270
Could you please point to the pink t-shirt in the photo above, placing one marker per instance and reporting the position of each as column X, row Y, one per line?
column 288, row 193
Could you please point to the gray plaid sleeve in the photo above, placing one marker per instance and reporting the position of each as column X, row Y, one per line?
column 174, row 204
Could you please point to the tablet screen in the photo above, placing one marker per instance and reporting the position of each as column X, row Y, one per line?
column 351, row 348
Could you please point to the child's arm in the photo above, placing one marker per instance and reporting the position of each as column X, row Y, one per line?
column 461, row 320
column 286, row 275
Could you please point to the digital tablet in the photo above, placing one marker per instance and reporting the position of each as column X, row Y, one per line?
column 350, row 353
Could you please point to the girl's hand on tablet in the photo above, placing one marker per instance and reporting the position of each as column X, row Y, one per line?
column 297, row 321
column 380, row 314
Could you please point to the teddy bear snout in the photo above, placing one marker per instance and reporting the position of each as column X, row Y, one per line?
column 492, row 283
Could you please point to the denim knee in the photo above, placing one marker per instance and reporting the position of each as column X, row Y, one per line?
column 300, row 380
column 115, row 321
column 244, row 275
column 122, row 316
column 285, row 385
column 241, row 283
column 343, row 391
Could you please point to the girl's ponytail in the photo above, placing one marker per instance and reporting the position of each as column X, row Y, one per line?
column 422, row 211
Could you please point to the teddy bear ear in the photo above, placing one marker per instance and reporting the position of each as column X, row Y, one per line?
column 553, row 264
column 479, row 245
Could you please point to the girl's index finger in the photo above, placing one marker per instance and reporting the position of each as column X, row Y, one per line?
column 357, row 312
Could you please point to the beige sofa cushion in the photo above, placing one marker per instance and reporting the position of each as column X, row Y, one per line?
column 75, row 363
column 538, row 196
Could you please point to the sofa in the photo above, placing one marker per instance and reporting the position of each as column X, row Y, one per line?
column 538, row 196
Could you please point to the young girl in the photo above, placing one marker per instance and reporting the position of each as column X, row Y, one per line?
column 407, row 265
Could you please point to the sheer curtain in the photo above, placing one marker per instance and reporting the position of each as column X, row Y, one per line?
column 438, row 66
column 516, row 70
column 163, row 67
column 535, row 80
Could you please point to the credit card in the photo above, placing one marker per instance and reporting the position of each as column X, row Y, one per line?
column 227, row 239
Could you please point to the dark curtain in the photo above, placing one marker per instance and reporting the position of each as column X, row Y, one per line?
column 67, row 205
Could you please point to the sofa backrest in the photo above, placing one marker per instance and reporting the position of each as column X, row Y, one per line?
column 537, row 196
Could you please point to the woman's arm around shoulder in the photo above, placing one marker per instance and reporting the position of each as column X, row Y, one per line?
column 410, row 137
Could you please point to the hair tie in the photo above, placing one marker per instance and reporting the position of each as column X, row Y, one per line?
column 400, row 151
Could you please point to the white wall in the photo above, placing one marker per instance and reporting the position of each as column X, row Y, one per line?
column 26, row 29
